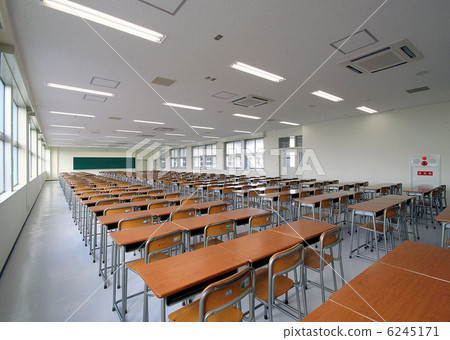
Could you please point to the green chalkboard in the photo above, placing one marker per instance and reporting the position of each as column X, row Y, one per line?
column 86, row 163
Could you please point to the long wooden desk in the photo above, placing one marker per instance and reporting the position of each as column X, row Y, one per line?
column 444, row 218
column 373, row 189
column 374, row 208
column 387, row 293
column 179, row 277
column 332, row 312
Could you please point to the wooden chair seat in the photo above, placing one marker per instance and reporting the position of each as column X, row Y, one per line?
column 211, row 242
column 312, row 258
column 133, row 265
column 190, row 313
column 282, row 284
column 378, row 227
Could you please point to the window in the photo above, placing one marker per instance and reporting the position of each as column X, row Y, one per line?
column 204, row 157
column 254, row 152
column 178, row 158
column 162, row 160
column 233, row 155
column 15, row 143
column 290, row 142
column 2, row 138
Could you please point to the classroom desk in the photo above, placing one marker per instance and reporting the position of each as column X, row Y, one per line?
column 332, row 312
column 374, row 208
column 386, row 293
column 444, row 218
column 373, row 189
column 305, row 229
column 257, row 248
column 179, row 277
column 341, row 186
column 420, row 258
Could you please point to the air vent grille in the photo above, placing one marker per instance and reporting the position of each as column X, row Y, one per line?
column 164, row 129
column 395, row 54
column 250, row 100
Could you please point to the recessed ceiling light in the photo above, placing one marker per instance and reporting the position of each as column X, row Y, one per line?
column 185, row 106
column 256, row 72
column 245, row 116
column 115, row 137
column 289, row 123
column 130, row 131
column 174, row 134
column 79, row 89
column 90, row 14
column 210, row 137
column 202, row 127
column 71, row 114
column 68, row 126
column 65, row 134
column 241, row 131
column 148, row 122
column 327, row 96
column 366, row 109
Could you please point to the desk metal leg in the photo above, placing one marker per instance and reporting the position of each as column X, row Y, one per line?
column 444, row 228
column 351, row 233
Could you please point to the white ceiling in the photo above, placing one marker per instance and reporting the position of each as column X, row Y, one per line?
column 289, row 38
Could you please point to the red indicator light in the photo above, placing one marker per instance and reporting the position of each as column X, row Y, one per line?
column 424, row 158
column 424, row 163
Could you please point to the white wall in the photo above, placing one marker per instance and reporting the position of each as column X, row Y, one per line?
column 14, row 211
column 62, row 158
column 377, row 147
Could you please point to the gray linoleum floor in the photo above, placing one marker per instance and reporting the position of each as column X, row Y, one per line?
column 50, row 275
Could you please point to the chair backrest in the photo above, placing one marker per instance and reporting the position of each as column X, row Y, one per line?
column 140, row 198
column 328, row 240
column 223, row 294
column 89, row 192
column 165, row 243
column 284, row 198
column 215, row 209
column 97, row 197
column 384, row 190
column 326, row 203
column 270, row 190
column 260, row 221
column 128, row 223
column 358, row 196
column 107, row 202
column 318, row 192
column 285, row 188
column 391, row 212
column 286, row 260
column 214, row 230
column 190, row 201
column 304, row 194
column 171, row 195
column 158, row 205
column 116, row 189
column 78, row 187
column 182, row 213
column 121, row 210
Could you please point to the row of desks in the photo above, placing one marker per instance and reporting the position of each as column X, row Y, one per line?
column 410, row 284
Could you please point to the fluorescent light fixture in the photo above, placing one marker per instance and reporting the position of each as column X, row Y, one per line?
column 327, row 96
column 158, row 139
column 188, row 141
column 245, row 116
column 210, row 137
column 129, row 131
column 289, row 123
column 90, row 14
column 68, row 126
column 65, row 134
column 174, row 134
column 119, row 137
column 106, row 141
column 202, row 127
column 241, row 131
column 366, row 109
column 184, row 106
column 256, row 72
column 71, row 114
column 80, row 89
column 148, row 122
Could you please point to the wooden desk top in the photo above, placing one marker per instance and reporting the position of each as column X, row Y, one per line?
column 170, row 209
column 421, row 189
column 141, row 234
column 242, row 214
column 305, row 229
column 386, row 293
column 332, row 312
column 177, row 273
column 114, row 219
column 379, row 204
column 420, row 258
column 318, row 198
column 377, row 187
column 444, row 216
column 101, row 208
column 260, row 245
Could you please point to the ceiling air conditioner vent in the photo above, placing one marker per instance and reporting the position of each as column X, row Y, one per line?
column 164, row 129
column 395, row 54
column 250, row 100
